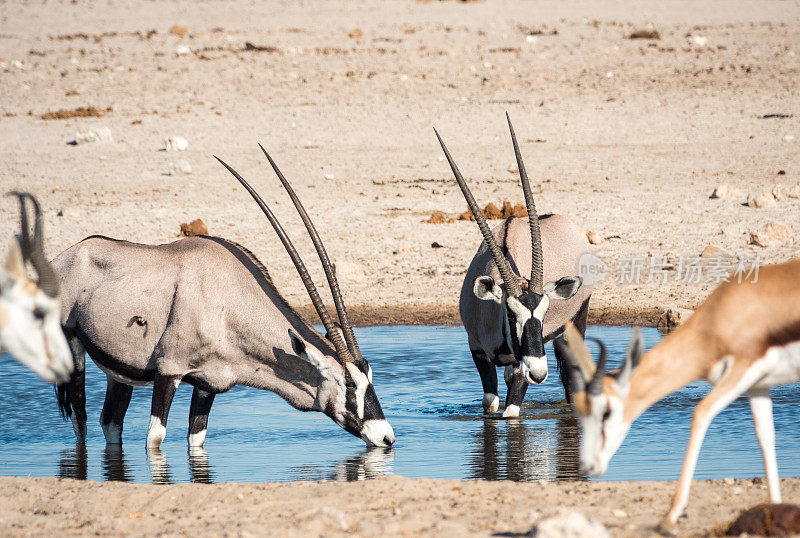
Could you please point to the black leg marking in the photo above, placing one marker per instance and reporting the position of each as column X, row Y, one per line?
column 163, row 390
column 563, row 370
column 516, row 389
column 198, row 416
column 72, row 394
column 488, row 373
column 118, row 396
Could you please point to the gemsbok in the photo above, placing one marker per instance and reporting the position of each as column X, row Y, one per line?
column 509, row 318
column 204, row 311
column 30, row 312
column 745, row 337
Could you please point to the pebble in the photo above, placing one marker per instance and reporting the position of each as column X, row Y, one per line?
column 712, row 251
column 619, row 513
column 673, row 316
column 760, row 201
column 329, row 177
column 181, row 167
column 178, row 30
column 593, row 237
column 175, row 143
column 700, row 41
column 183, row 50
column 724, row 190
column 771, row 234
column 93, row 134
column 568, row 524
column 728, row 481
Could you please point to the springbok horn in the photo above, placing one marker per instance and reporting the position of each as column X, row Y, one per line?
column 537, row 272
column 510, row 282
column 330, row 274
column 595, row 386
column 34, row 250
column 334, row 335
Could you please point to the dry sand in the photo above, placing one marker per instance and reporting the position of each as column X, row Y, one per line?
column 628, row 137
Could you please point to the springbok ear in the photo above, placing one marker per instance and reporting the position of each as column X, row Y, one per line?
column 632, row 356
column 486, row 289
column 308, row 354
column 563, row 288
column 14, row 265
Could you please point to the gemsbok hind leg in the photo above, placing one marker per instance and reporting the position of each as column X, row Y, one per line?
column 118, row 396
column 198, row 416
column 488, row 373
column 163, row 391
column 761, row 407
column 72, row 394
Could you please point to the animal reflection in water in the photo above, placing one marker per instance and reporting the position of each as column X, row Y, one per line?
column 74, row 463
column 520, row 451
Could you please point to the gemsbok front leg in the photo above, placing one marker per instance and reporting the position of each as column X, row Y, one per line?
column 761, row 407
column 118, row 397
column 163, row 391
column 198, row 416
column 516, row 387
column 488, row 373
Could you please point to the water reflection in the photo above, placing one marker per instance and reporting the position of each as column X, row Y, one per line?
column 200, row 469
column 159, row 468
column 522, row 450
column 73, row 462
column 114, row 467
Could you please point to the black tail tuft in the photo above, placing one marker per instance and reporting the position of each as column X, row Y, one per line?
column 62, row 394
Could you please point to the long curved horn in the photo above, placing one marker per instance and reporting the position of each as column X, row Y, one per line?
column 34, row 249
column 537, row 271
column 595, row 386
column 330, row 273
column 510, row 282
column 333, row 332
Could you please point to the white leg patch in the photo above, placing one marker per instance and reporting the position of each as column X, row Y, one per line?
column 197, row 439
column 155, row 432
column 113, row 433
column 491, row 402
column 511, row 411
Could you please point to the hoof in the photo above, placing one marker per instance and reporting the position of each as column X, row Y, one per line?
column 667, row 527
column 491, row 403
column 511, row 411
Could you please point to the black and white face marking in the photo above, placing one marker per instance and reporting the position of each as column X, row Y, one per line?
column 524, row 317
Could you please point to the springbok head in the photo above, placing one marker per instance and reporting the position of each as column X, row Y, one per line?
column 524, row 301
column 346, row 393
column 30, row 312
column 599, row 397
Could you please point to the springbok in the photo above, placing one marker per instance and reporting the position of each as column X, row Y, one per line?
column 204, row 311
column 30, row 312
column 508, row 318
column 745, row 337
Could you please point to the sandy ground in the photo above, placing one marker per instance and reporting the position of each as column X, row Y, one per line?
column 381, row 507
column 628, row 137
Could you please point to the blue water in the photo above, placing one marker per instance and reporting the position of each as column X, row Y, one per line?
column 431, row 394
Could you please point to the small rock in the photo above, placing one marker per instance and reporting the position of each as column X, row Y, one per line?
column 788, row 138
column 700, row 41
column 648, row 32
column 196, row 227
column 771, row 234
column 178, row 30
column 767, row 520
column 512, row 168
column 673, row 316
column 491, row 212
column 509, row 210
column 593, row 237
column 466, row 215
column 619, row 513
column 724, row 190
column 760, row 201
column 568, row 524
column 181, row 167
column 436, row 245
column 793, row 192
column 175, row 143
column 728, row 481
column 434, row 271
column 781, row 172
column 69, row 212
column 714, row 252
column 356, row 33
column 329, row 177
column 93, row 134
column 183, row 50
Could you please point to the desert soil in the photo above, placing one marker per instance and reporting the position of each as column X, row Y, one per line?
column 627, row 137
column 382, row 507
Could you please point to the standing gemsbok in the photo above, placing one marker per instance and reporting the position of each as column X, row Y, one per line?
column 745, row 337
column 30, row 312
column 509, row 318
column 204, row 311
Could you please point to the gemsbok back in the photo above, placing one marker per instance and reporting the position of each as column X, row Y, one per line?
column 745, row 337
column 204, row 311
column 509, row 318
column 30, row 312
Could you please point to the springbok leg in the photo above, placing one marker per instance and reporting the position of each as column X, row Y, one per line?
column 198, row 416
column 118, row 396
column 515, row 393
column 761, row 406
column 163, row 390
column 488, row 373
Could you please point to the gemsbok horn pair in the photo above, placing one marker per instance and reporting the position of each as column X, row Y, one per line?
column 745, row 337
column 509, row 318
column 204, row 311
column 30, row 312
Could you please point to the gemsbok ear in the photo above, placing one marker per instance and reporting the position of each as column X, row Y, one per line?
column 308, row 354
column 14, row 265
column 632, row 356
column 563, row 288
column 486, row 289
